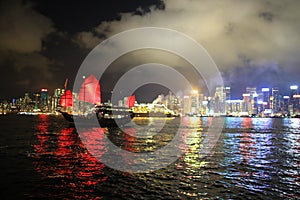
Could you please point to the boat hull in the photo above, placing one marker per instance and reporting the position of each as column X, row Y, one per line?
column 103, row 122
column 152, row 114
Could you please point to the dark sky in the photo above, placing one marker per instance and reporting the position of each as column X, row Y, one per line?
column 254, row 43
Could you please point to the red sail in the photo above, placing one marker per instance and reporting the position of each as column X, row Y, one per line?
column 66, row 100
column 131, row 101
column 90, row 90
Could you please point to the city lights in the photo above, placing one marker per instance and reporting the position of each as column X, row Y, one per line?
column 194, row 91
column 294, row 87
column 234, row 101
column 255, row 102
column 296, row 96
column 260, row 102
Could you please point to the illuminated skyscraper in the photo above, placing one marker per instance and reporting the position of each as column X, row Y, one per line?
column 26, row 103
column 252, row 99
column 58, row 92
column 220, row 100
column 37, row 101
column 228, row 93
column 246, row 103
column 286, row 102
column 251, row 91
column 266, row 97
column 44, row 99
column 210, row 105
column 44, row 96
column 234, row 107
column 27, row 99
column 294, row 100
column 255, row 104
column 194, row 102
column 275, row 103
column 294, row 90
column 186, row 105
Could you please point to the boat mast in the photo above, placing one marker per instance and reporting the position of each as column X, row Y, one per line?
column 83, row 94
column 65, row 86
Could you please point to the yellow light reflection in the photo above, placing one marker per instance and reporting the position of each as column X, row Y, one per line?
column 194, row 143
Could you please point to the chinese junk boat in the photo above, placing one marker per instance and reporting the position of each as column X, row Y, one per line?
column 90, row 95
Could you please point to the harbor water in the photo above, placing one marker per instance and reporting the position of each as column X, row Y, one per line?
column 43, row 157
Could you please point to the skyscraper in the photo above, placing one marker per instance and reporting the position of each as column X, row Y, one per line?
column 286, row 102
column 37, row 97
column 228, row 93
column 195, row 102
column 252, row 99
column 266, row 98
column 44, row 99
column 294, row 100
column 247, row 103
column 255, row 104
column 275, row 103
column 220, row 100
column 251, row 91
column 186, row 105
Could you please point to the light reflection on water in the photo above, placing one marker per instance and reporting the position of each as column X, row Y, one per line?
column 64, row 163
column 257, row 154
column 254, row 158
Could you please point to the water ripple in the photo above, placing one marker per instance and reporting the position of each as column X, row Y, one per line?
column 253, row 159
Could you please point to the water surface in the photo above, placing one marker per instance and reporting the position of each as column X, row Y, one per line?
column 42, row 157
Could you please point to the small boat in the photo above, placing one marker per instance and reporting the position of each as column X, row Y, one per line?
column 153, row 114
column 107, row 116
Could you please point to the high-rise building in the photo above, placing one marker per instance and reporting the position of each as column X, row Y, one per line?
column 251, row 91
column 266, row 98
column 234, row 107
column 176, row 105
column 286, row 103
column 294, row 90
column 210, row 105
column 44, row 99
column 27, row 99
column 58, row 92
column 25, row 103
column 204, row 111
column 228, row 93
column 194, row 102
column 186, row 105
column 37, row 101
column 252, row 99
column 294, row 99
column 247, row 103
column 220, row 100
column 44, row 96
column 255, row 104
column 275, row 103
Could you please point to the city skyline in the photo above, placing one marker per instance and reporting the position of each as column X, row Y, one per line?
column 283, row 91
column 253, row 43
column 253, row 101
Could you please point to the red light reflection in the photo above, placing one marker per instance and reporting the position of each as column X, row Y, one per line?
column 246, row 143
column 61, row 155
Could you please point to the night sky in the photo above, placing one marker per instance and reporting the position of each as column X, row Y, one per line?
column 253, row 43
